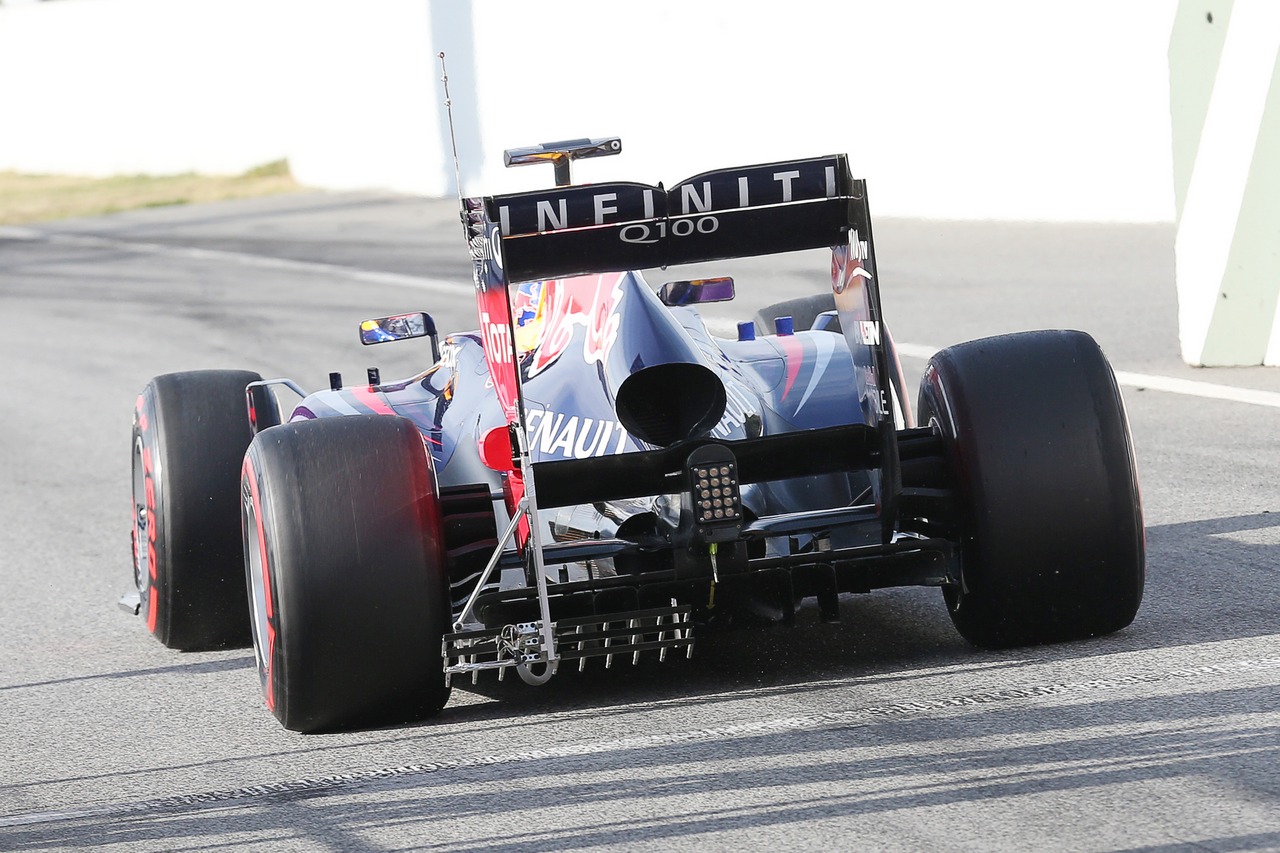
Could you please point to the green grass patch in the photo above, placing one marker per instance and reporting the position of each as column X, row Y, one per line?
column 39, row 198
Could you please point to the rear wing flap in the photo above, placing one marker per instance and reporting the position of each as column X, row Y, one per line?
column 727, row 213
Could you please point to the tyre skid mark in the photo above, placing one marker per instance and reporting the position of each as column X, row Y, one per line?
column 851, row 718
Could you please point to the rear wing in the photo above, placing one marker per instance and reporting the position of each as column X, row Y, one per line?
column 728, row 213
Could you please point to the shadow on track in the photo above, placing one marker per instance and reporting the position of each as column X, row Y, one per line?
column 1207, row 581
column 208, row 666
column 780, row 779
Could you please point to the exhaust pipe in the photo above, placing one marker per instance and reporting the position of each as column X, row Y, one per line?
column 666, row 403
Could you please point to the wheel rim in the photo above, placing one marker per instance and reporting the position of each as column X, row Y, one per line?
column 143, row 517
column 257, row 587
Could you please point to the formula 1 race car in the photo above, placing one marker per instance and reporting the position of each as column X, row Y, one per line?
column 595, row 474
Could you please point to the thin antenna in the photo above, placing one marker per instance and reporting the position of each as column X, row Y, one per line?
column 453, row 139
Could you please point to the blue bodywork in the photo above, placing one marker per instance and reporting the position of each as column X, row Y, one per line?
column 773, row 384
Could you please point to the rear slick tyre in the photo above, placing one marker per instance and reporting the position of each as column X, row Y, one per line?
column 190, row 431
column 1038, row 447
column 346, row 572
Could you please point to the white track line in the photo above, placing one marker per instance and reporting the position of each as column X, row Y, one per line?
column 1141, row 381
column 722, row 326
column 437, row 285
column 1152, row 382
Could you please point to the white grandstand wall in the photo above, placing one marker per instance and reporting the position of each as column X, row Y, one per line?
column 989, row 109
column 102, row 87
column 126, row 86
column 986, row 109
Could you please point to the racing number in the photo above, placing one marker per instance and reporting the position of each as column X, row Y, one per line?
column 639, row 232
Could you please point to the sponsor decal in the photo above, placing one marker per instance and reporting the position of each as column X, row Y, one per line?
column 493, row 247
column 553, row 433
column 637, row 205
column 575, row 207
column 737, row 406
column 869, row 331
column 574, row 436
column 640, row 232
column 495, row 338
column 858, row 247
column 846, row 263
column 875, row 396
column 449, row 355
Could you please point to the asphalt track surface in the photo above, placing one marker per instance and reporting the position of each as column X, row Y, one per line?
column 884, row 732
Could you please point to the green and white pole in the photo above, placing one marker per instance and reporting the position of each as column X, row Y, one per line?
column 1224, row 89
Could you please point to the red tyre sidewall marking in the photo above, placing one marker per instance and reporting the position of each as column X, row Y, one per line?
column 133, row 501
column 268, row 675
column 153, row 597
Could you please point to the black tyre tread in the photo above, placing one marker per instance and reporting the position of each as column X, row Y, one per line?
column 1040, row 449
column 201, row 430
column 352, row 526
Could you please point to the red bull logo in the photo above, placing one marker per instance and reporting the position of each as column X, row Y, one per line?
column 565, row 304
